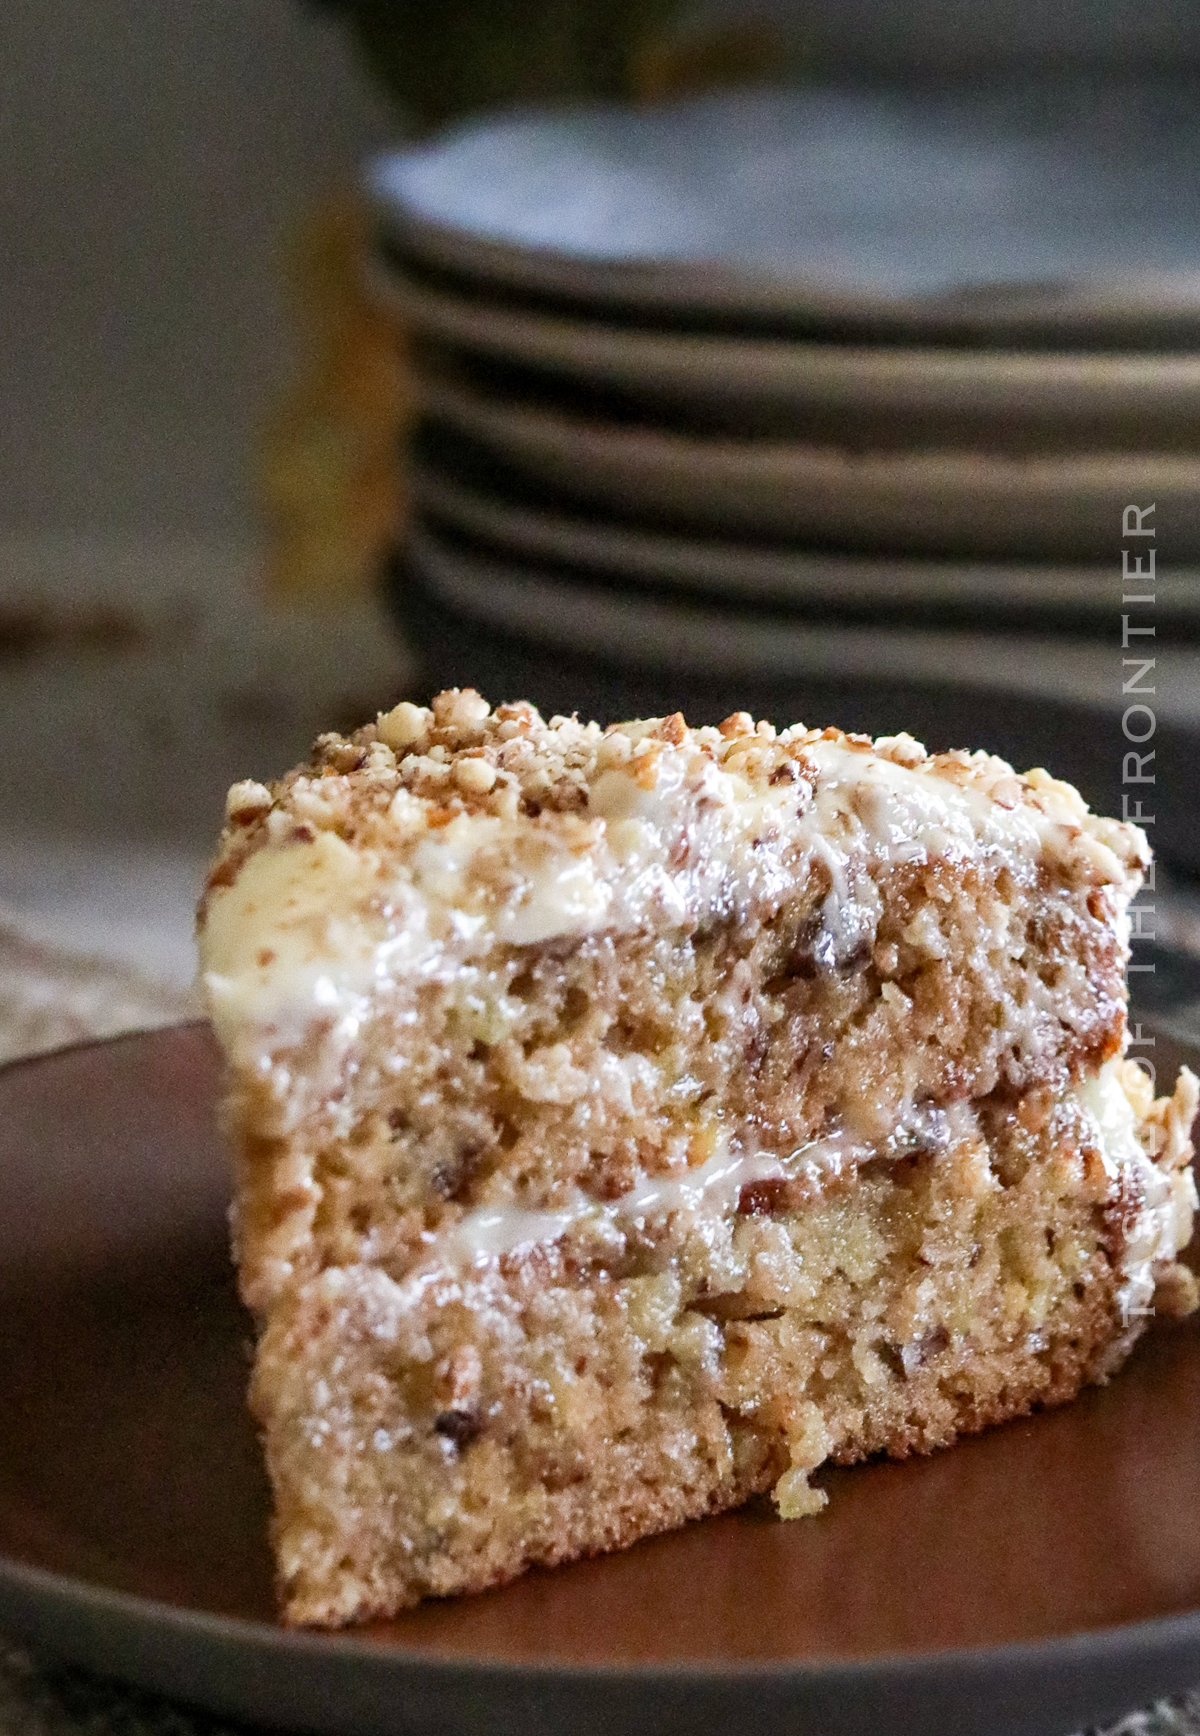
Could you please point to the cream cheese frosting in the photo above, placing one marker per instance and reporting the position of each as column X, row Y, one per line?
column 711, row 1191
column 1165, row 1199
column 312, row 925
column 708, row 1196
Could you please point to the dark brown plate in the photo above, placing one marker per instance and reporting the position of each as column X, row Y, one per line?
column 1032, row 1580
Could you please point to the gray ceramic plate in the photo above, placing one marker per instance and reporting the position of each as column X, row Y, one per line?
column 904, row 393
column 1061, row 212
column 562, row 611
column 1032, row 1580
column 932, row 502
column 799, row 579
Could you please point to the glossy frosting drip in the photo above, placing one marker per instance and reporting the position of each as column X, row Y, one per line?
column 712, row 1189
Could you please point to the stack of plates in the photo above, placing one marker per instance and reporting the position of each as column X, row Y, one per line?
column 707, row 392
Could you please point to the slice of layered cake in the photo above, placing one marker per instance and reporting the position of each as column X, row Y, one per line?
column 629, row 1121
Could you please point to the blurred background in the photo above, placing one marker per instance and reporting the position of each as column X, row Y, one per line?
column 794, row 356
column 164, row 163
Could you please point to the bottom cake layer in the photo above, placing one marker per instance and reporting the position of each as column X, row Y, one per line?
column 537, row 1393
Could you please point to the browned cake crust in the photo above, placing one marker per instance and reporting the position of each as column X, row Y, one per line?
column 632, row 1121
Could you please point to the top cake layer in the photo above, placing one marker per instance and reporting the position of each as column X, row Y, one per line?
column 436, row 834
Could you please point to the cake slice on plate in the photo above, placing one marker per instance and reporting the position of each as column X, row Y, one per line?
column 629, row 1121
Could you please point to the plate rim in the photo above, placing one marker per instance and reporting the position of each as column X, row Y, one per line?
column 915, row 379
column 483, row 415
column 923, row 502
column 1095, row 314
column 51, row 1586
column 787, row 576
column 500, row 593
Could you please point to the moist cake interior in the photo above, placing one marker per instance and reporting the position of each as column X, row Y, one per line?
column 631, row 1121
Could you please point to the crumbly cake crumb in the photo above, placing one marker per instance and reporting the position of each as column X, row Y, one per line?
column 630, row 1120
